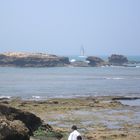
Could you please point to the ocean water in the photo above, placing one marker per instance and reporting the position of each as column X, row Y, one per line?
column 43, row 83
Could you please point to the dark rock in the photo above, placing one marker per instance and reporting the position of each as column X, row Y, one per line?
column 4, row 102
column 115, row 59
column 55, row 102
column 46, row 127
column 125, row 98
column 16, row 124
column 95, row 61
column 13, row 130
column 31, row 121
column 32, row 60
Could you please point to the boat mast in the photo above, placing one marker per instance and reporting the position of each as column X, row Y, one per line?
column 82, row 53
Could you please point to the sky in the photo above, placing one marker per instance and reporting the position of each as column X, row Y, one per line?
column 61, row 27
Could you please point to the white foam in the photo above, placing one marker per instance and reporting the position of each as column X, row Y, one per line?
column 72, row 60
column 7, row 97
column 114, row 78
column 36, row 97
column 137, row 66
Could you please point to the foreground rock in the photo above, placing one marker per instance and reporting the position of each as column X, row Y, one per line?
column 16, row 124
column 31, row 121
column 97, row 118
column 95, row 61
column 13, row 130
column 32, row 60
column 115, row 59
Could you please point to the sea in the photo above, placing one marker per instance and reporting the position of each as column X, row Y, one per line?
column 66, row 82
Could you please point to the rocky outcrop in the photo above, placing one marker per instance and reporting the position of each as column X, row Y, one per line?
column 13, row 130
column 32, row 60
column 16, row 124
column 31, row 121
column 95, row 61
column 115, row 59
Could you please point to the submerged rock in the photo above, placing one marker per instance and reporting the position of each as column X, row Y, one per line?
column 32, row 60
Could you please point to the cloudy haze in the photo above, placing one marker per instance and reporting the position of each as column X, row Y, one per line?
column 60, row 27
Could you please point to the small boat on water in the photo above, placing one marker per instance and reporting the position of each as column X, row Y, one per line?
column 82, row 52
column 81, row 57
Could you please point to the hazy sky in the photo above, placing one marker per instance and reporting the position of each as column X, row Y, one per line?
column 60, row 27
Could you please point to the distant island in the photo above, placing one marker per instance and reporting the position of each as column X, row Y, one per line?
column 20, row 59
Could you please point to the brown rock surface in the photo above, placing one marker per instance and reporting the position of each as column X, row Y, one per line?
column 13, row 130
column 31, row 121
column 32, row 60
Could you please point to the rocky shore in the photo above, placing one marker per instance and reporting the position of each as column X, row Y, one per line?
column 98, row 118
column 47, row 60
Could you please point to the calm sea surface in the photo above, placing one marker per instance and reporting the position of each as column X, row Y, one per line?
column 40, row 83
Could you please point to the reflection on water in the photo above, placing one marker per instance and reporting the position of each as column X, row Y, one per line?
column 112, row 119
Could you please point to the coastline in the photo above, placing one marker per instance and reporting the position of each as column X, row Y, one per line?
column 26, row 59
column 98, row 118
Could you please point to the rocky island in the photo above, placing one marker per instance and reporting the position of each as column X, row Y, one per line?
column 96, row 61
column 20, row 59
column 32, row 60
column 119, row 60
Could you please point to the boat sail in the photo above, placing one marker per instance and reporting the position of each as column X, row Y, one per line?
column 82, row 52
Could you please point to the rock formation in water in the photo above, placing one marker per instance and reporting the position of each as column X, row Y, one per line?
column 115, row 59
column 32, row 60
column 95, row 61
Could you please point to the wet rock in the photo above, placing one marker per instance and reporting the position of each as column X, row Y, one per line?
column 46, row 127
column 125, row 98
column 115, row 104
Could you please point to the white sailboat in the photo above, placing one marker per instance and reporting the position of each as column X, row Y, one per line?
column 82, row 52
column 81, row 57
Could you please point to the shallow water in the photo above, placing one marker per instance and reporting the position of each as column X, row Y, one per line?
column 43, row 83
column 131, row 102
column 110, row 118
